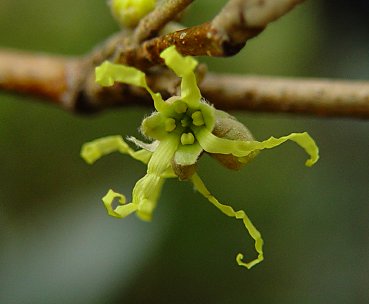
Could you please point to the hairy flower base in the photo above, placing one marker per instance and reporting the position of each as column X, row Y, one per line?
column 180, row 130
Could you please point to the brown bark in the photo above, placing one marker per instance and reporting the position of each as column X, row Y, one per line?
column 319, row 97
column 225, row 35
column 69, row 82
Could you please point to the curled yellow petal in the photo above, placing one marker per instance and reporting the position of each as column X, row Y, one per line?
column 98, row 148
column 121, row 211
column 240, row 148
column 147, row 190
column 145, row 195
column 184, row 67
column 108, row 73
column 228, row 210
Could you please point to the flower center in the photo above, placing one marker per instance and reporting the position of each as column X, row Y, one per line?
column 183, row 122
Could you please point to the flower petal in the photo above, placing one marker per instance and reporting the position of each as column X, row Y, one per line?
column 121, row 211
column 107, row 73
column 227, row 210
column 147, row 190
column 98, row 148
column 184, row 67
column 163, row 155
column 239, row 148
column 145, row 195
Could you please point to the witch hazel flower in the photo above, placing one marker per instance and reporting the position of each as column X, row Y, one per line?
column 180, row 130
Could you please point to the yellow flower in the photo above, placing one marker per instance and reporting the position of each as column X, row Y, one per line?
column 180, row 130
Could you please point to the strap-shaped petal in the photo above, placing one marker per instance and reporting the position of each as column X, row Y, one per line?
column 163, row 155
column 108, row 73
column 98, row 148
column 146, row 192
column 168, row 173
column 228, row 210
column 145, row 195
column 184, row 67
column 121, row 211
column 239, row 148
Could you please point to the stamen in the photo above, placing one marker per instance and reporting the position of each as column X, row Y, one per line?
column 197, row 119
column 187, row 139
column 170, row 124
column 180, row 107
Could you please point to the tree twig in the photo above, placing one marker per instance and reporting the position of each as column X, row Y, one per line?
column 319, row 97
column 225, row 35
column 165, row 12
column 53, row 77
column 69, row 82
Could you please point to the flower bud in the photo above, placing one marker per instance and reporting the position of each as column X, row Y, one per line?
column 129, row 12
column 228, row 127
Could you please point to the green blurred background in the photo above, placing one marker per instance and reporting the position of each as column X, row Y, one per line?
column 57, row 245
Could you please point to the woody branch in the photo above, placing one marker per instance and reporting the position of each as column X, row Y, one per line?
column 69, row 82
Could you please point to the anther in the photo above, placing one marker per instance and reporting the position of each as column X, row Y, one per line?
column 197, row 119
column 170, row 124
column 187, row 139
column 180, row 107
